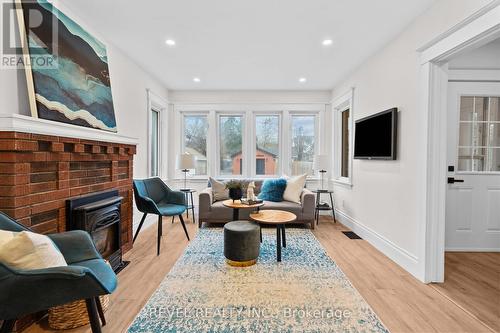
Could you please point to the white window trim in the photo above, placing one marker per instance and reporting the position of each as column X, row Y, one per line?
column 248, row 111
column 340, row 105
column 157, row 103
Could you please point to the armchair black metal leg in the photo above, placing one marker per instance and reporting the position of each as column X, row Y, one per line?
column 173, row 218
column 100, row 311
column 140, row 226
column 93, row 316
column 160, row 231
column 184, row 226
column 8, row 326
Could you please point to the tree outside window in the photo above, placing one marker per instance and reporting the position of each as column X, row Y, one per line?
column 230, row 145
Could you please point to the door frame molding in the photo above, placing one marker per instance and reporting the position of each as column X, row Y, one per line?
column 480, row 28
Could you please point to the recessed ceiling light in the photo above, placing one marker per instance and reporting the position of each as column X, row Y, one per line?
column 170, row 42
column 196, row 79
column 302, row 80
column 327, row 42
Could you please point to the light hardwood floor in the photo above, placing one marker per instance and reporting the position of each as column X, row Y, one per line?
column 403, row 303
column 472, row 280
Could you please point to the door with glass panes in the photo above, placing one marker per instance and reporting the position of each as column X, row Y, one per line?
column 473, row 190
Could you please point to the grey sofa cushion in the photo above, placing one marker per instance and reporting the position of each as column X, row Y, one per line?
column 288, row 206
column 219, row 191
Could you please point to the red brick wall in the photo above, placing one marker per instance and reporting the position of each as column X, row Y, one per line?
column 38, row 173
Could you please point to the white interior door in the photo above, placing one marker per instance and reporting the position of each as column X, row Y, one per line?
column 473, row 200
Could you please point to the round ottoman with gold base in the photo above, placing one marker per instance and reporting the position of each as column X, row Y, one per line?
column 241, row 243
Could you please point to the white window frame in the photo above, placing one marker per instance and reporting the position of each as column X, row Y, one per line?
column 253, row 148
column 248, row 112
column 339, row 105
column 244, row 143
column 317, row 135
column 155, row 103
column 183, row 132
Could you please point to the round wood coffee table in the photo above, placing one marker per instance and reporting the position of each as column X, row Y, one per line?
column 278, row 218
column 236, row 205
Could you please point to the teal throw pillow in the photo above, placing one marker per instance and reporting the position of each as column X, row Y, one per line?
column 272, row 190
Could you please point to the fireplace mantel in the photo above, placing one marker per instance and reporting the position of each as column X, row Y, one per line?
column 27, row 124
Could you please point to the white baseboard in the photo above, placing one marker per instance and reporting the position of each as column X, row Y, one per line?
column 463, row 249
column 400, row 256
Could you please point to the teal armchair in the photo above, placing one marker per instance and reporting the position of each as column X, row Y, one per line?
column 87, row 276
column 153, row 196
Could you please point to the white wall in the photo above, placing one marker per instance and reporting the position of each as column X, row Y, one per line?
column 486, row 57
column 383, row 204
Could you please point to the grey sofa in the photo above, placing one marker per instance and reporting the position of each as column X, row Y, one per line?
column 211, row 211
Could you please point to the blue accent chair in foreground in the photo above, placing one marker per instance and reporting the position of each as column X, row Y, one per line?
column 153, row 196
column 87, row 276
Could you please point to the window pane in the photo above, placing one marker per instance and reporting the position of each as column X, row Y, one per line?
column 302, row 144
column 154, row 142
column 494, row 135
column 474, row 108
column 493, row 159
column 195, row 141
column 495, row 109
column 230, row 145
column 472, row 134
column 344, row 172
column 471, row 159
column 267, row 130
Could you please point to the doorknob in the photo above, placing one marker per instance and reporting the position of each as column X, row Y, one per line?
column 452, row 180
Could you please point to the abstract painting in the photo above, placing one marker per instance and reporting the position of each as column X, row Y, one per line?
column 74, row 86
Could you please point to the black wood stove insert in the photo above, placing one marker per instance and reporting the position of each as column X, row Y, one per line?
column 99, row 215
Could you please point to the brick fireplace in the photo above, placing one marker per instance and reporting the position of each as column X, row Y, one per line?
column 39, row 172
column 44, row 163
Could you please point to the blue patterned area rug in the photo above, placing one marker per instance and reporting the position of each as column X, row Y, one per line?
column 306, row 292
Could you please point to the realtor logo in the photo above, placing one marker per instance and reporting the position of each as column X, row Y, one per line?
column 19, row 47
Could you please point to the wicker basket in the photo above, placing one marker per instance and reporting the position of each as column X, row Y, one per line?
column 73, row 314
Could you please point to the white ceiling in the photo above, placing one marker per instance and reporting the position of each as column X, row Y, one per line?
column 252, row 44
column 485, row 57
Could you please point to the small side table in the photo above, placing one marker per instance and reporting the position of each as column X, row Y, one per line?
column 189, row 198
column 277, row 218
column 320, row 207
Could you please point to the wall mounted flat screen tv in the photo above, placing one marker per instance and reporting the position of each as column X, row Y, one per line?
column 375, row 137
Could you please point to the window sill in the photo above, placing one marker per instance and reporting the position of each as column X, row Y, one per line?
column 343, row 182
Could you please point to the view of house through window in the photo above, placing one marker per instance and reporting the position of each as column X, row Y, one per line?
column 231, row 145
column 344, row 170
column 195, row 140
column 267, row 131
column 155, row 143
column 303, row 138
